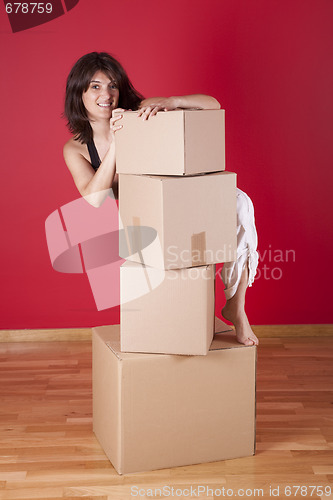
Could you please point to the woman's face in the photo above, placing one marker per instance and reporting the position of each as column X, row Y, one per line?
column 101, row 97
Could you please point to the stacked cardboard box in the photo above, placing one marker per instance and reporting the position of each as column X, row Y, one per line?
column 177, row 209
column 153, row 411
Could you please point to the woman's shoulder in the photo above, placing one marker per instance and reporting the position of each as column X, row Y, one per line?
column 74, row 148
column 75, row 153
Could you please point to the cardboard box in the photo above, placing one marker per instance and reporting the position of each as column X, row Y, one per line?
column 180, row 142
column 154, row 411
column 176, row 317
column 178, row 222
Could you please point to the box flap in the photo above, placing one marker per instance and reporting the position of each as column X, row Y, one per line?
column 221, row 326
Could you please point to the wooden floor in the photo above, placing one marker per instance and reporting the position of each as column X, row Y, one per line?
column 48, row 449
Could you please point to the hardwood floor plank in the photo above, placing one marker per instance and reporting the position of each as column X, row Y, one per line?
column 48, row 449
column 84, row 334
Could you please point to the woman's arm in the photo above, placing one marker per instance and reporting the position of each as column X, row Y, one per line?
column 94, row 186
column 150, row 106
column 90, row 184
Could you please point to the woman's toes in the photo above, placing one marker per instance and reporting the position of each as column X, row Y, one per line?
column 249, row 342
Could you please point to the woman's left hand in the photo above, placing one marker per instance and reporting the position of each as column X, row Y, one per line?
column 114, row 126
column 150, row 107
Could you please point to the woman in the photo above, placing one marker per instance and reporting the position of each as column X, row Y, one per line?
column 98, row 90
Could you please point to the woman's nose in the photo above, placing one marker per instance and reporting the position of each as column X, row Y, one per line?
column 106, row 92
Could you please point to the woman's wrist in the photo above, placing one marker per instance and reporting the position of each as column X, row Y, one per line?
column 196, row 101
column 176, row 101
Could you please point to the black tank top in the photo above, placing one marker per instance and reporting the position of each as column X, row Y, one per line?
column 96, row 161
column 94, row 158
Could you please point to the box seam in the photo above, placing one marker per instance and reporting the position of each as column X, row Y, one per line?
column 255, row 401
column 121, row 426
column 184, row 142
column 214, row 298
column 162, row 221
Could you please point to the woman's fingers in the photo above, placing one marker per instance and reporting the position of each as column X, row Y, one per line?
column 156, row 104
column 117, row 110
column 115, row 118
column 148, row 111
column 145, row 112
column 113, row 122
column 155, row 110
column 117, row 128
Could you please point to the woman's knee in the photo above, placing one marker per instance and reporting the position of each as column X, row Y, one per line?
column 244, row 207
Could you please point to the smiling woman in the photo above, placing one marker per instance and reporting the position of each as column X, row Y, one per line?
column 96, row 86
column 98, row 92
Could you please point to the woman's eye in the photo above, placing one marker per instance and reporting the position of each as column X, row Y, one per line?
column 95, row 87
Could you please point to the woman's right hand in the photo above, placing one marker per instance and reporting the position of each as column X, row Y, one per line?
column 116, row 115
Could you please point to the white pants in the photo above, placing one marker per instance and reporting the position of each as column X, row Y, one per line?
column 247, row 241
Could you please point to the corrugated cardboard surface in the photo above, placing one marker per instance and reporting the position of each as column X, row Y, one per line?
column 194, row 218
column 141, row 200
column 176, row 317
column 156, row 411
column 180, row 142
column 204, row 141
column 107, row 420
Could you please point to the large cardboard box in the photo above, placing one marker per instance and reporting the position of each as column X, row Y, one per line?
column 153, row 411
column 175, row 317
column 180, row 142
column 178, row 222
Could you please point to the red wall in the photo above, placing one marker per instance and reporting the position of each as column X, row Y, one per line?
column 269, row 63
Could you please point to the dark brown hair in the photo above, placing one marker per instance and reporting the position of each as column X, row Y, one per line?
column 78, row 82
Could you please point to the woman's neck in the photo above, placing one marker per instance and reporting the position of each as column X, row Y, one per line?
column 101, row 130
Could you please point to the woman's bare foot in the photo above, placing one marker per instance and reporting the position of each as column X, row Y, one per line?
column 234, row 311
column 238, row 318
